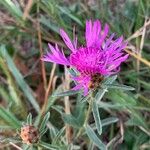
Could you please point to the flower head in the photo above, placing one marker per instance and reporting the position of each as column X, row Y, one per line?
column 101, row 56
column 29, row 134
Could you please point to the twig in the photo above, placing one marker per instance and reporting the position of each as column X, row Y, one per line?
column 14, row 145
column 139, row 32
column 113, row 141
column 67, row 107
column 118, row 139
column 27, row 9
column 142, row 42
column 138, row 57
column 143, row 36
column 48, row 90
column 145, row 146
column 40, row 47
column 54, row 82
column 139, row 50
column 144, row 130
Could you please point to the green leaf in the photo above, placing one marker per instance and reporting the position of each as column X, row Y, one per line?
column 58, row 135
column 53, row 131
column 91, row 134
column 19, row 78
column 68, row 13
column 110, row 80
column 29, row 119
column 121, row 87
column 67, row 93
column 102, row 91
column 121, row 97
column 79, row 112
column 48, row 23
column 44, row 122
column 49, row 146
column 109, row 121
column 100, row 95
column 121, row 106
column 136, row 120
column 43, row 132
column 71, row 120
column 12, row 8
column 6, row 127
column 72, row 71
column 5, row 95
column 76, row 119
column 97, row 118
column 52, row 99
column 9, row 118
column 12, row 89
column 26, row 147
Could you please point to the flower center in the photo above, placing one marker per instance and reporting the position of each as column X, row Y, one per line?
column 87, row 60
column 95, row 81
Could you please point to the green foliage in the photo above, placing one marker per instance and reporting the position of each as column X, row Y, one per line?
column 29, row 119
column 9, row 118
column 116, row 109
column 94, row 138
column 19, row 79
column 14, row 9
column 43, row 128
column 97, row 118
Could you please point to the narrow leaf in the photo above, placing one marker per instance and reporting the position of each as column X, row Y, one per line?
column 110, row 80
column 91, row 134
column 19, row 78
column 48, row 23
column 71, row 120
column 67, row 93
column 48, row 146
column 44, row 122
column 109, row 121
column 29, row 119
column 9, row 118
column 12, row 8
column 97, row 118
column 58, row 135
column 68, row 13
column 121, row 87
column 102, row 91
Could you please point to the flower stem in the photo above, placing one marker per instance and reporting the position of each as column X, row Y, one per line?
column 88, row 111
column 87, row 116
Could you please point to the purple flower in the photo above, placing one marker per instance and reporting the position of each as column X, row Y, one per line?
column 101, row 56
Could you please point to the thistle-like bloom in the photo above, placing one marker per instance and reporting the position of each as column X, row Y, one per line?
column 100, row 56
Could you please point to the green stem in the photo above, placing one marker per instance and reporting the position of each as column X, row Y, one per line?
column 87, row 116
column 89, row 111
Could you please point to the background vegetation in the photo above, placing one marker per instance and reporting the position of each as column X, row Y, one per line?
column 28, row 85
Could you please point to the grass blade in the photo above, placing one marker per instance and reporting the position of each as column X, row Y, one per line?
column 10, row 118
column 19, row 78
column 12, row 8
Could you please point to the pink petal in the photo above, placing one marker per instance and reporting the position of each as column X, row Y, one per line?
column 92, row 33
column 67, row 40
column 88, row 32
column 103, row 36
column 56, row 56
